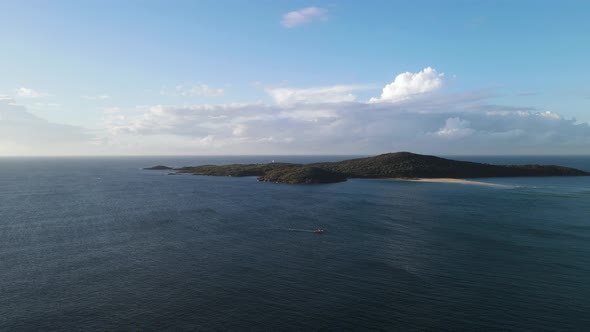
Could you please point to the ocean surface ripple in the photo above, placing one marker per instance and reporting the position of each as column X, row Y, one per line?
column 98, row 244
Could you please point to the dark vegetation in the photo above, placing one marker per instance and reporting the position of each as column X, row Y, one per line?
column 411, row 165
column 236, row 169
column 158, row 168
column 302, row 174
column 390, row 165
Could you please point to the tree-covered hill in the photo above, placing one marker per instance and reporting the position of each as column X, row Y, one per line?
column 390, row 165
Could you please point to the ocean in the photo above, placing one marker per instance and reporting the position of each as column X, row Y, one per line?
column 98, row 244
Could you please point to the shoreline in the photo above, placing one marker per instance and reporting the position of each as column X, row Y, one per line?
column 456, row 181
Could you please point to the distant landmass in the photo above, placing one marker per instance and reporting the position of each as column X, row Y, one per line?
column 399, row 165
column 159, row 168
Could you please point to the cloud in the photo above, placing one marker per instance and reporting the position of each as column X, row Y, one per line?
column 421, row 125
column 98, row 97
column 319, row 120
column 551, row 115
column 29, row 93
column 526, row 94
column 408, row 85
column 455, row 128
column 23, row 133
column 195, row 90
column 40, row 106
column 302, row 16
column 330, row 94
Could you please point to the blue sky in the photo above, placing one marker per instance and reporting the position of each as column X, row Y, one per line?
column 125, row 76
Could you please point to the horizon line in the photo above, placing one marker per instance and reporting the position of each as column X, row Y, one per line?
column 288, row 155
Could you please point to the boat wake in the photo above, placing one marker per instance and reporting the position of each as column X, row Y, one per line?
column 316, row 231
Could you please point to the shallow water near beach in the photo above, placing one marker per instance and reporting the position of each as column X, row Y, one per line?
column 100, row 244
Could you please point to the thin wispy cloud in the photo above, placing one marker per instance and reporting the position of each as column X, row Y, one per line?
column 23, row 92
column 97, row 97
column 328, row 94
column 303, row 16
column 526, row 94
column 24, row 133
column 456, row 128
column 44, row 106
column 202, row 90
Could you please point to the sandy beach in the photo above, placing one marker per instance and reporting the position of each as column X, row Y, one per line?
column 458, row 181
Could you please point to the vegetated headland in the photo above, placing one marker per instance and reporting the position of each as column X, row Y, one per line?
column 399, row 165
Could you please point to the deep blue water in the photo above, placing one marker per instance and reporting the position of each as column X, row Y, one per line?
column 98, row 244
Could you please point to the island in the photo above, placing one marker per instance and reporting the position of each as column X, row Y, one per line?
column 398, row 165
column 159, row 168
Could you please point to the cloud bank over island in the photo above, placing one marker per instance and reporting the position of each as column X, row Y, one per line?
column 413, row 112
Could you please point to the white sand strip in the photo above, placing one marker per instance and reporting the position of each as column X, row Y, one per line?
column 459, row 181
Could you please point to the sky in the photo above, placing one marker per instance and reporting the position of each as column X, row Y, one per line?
column 294, row 77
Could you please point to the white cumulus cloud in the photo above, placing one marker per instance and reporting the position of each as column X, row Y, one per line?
column 302, row 16
column 408, row 85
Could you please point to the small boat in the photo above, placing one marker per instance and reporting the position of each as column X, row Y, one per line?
column 319, row 231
